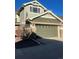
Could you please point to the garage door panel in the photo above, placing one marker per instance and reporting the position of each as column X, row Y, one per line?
column 47, row 30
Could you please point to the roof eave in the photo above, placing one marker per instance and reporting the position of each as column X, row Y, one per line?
column 48, row 12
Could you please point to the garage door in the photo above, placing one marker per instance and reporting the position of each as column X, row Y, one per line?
column 47, row 30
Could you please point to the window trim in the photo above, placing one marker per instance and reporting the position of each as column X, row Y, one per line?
column 34, row 9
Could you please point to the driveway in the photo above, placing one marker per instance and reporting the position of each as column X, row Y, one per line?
column 36, row 47
column 47, row 49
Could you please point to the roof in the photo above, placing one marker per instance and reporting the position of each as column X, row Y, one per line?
column 32, row 3
column 61, row 17
column 46, row 13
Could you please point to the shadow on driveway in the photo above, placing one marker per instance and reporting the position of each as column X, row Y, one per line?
column 39, row 49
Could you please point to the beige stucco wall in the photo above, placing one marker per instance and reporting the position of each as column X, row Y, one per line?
column 17, row 18
column 61, row 31
column 22, row 20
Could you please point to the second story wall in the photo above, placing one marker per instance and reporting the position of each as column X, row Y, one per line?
column 22, row 17
column 32, row 11
column 17, row 19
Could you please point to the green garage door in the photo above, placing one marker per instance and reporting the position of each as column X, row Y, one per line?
column 47, row 30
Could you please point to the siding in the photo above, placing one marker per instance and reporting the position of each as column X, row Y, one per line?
column 46, row 20
column 22, row 17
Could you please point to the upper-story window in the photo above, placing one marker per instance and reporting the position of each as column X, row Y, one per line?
column 35, row 10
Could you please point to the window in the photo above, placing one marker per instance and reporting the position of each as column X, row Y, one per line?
column 38, row 10
column 31, row 9
column 35, row 10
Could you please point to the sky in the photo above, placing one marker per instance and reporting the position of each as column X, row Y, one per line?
column 56, row 6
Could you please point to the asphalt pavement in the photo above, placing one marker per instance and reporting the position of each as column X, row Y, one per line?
column 39, row 49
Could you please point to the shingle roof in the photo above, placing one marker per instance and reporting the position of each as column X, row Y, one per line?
column 61, row 17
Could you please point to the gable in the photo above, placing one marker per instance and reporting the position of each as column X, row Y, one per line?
column 32, row 12
column 36, row 3
column 48, row 15
column 46, row 18
column 33, row 9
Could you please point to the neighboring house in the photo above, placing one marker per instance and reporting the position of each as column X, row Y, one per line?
column 44, row 22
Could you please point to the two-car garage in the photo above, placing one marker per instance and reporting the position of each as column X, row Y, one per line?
column 47, row 31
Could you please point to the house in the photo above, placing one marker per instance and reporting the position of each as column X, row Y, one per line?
column 44, row 22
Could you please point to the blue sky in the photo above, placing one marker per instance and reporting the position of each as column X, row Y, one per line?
column 56, row 6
